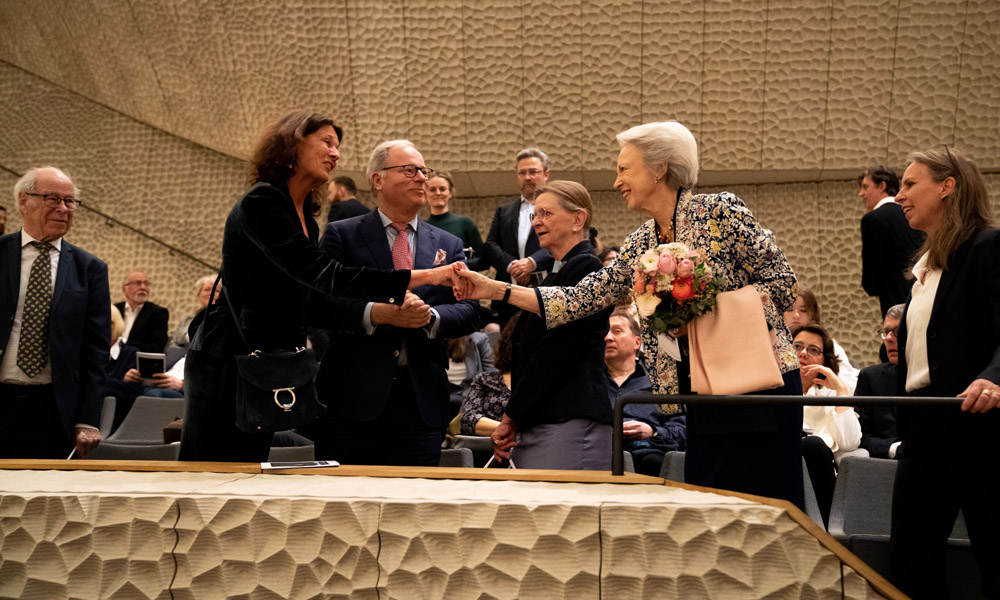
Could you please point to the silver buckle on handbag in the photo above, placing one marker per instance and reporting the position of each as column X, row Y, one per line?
column 285, row 407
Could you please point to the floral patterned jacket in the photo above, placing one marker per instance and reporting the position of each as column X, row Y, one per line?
column 740, row 252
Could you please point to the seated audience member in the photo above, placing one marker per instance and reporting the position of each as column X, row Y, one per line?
column 648, row 433
column 832, row 429
column 439, row 193
column 164, row 385
column 878, row 423
column 806, row 310
column 608, row 255
column 121, row 359
column 468, row 356
column 203, row 294
column 145, row 321
column 489, row 391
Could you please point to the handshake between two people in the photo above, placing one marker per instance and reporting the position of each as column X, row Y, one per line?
column 414, row 313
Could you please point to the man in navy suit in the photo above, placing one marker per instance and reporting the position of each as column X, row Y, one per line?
column 878, row 423
column 888, row 244
column 511, row 246
column 55, row 327
column 383, row 376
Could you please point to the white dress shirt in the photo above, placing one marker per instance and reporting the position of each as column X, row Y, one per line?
column 130, row 317
column 918, row 317
column 524, row 225
column 411, row 236
column 9, row 371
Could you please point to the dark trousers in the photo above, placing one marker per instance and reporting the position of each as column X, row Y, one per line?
column 31, row 426
column 398, row 436
column 929, row 490
column 755, row 450
column 822, row 472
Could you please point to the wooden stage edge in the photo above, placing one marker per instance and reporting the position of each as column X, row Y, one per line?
column 825, row 539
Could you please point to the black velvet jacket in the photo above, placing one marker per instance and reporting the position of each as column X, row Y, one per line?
column 558, row 373
column 279, row 280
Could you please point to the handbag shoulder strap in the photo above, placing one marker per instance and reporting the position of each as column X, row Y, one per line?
column 232, row 312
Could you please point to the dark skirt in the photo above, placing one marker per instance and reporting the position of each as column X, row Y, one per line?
column 577, row 444
column 754, row 449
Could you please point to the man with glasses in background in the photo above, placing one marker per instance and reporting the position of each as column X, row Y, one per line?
column 145, row 321
column 384, row 374
column 512, row 247
column 878, row 423
column 55, row 327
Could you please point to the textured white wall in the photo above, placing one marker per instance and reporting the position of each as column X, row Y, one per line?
column 153, row 104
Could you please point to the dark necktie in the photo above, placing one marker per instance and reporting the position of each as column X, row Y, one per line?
column 401, row 257
column 33, row 348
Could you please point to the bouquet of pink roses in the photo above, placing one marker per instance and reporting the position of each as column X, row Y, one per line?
column 673, row 285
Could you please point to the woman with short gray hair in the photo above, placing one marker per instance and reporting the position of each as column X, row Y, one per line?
column 747, row 449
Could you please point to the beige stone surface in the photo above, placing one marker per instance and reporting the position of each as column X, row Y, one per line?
column 152, row 105
column 135, row 535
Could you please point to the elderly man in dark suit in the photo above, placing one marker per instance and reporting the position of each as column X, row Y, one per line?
column 145, row 321
column 55, row 327
column 511, row 246
column 878, row 423
column 383, row 376
column 888, row 244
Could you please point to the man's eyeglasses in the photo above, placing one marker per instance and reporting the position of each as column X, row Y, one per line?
column 884, row 333
column 529, row 173
column 411, row 170
column 53, row 201
column 813, row 351
column 142, row 282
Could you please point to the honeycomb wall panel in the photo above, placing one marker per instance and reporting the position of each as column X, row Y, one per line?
column 435, row 84
column 152, row 105
column 611, row 78
column 862, row 48
column 926, row 75
column 977, row 122
column 795, row 85
column 495, row 72
column 672, row 72
column 733, row 88
column 92, row 534
column 552, row 47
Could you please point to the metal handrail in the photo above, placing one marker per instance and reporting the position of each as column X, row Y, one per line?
column 618, row 460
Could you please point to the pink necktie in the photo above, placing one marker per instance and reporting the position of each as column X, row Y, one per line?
column 401, row 257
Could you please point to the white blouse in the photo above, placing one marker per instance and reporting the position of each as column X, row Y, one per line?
column 918, row 317
column 840, row 431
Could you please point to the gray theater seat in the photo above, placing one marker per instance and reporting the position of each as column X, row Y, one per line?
column 291, row 453
column 145, row 422
column 861, row 519
column 456, row 457
column 126, row 451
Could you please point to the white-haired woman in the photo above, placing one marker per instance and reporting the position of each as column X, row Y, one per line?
column 747, row 449
column 203, row 293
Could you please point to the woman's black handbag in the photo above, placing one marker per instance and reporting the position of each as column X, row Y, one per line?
column 275, row 391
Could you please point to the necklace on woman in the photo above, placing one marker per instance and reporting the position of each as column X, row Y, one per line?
column 667, row 234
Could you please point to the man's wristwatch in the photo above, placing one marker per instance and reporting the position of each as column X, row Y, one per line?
column 506, row 293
